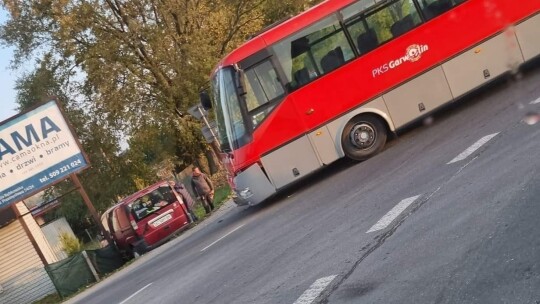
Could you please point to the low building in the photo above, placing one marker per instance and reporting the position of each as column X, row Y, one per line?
column 24, row 252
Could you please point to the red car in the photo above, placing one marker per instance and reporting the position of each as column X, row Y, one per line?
column 146, row 219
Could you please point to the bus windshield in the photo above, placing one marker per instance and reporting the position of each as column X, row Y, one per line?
column 231, row 124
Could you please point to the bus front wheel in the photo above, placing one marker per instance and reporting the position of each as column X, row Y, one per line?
column 363, row 137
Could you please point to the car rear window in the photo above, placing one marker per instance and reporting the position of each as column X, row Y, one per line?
column 152, row 202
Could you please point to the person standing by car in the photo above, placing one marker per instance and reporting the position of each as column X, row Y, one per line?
column 186, row 197
column 203, row 188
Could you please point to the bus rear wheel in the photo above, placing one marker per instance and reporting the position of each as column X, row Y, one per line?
column 363, row 137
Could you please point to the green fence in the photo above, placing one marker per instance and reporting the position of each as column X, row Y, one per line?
column 105, row 260
column 73, row 273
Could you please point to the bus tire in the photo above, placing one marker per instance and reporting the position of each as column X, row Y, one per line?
column 363, row 137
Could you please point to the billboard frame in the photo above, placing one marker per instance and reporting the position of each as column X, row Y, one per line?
column 73, row 134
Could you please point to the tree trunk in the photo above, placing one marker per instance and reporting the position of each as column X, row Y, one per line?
column 212, row 164
column 202, row 163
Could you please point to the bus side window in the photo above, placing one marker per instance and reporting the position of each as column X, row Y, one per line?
column 301, row 77
column 314, row 51
column 263, row 89
column 332, row 60
column 402, row 26
column 393, row 20
column 434, row 8
column 365, row 39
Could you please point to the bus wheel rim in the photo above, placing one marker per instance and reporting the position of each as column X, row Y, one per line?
column 363, row 136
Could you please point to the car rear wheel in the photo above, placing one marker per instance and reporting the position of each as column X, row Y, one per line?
column 363, row 137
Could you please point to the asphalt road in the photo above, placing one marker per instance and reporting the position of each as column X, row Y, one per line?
column 441, row 232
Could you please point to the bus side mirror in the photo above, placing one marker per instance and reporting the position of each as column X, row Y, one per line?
column 206, row 102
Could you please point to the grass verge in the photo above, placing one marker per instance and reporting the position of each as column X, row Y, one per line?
column 220, row 197
column 50, row 299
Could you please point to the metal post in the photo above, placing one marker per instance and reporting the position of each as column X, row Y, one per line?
column 90, row 265
column 214, row 137
column 29, row 234
column 215, row 141
column 89, row 235
column 90, row 207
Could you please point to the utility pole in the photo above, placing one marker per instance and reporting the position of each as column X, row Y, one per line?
column 215, row 142
column 207, row 124
column 198, row 113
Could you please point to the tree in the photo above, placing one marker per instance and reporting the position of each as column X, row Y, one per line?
column 143, row 58
column 277, row 10
column 100, row 144
column 122, row 69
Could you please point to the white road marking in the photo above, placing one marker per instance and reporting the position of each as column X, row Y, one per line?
column 393, row 214
column 315, row 290
column 470, row 150
column 135, row 294
column 535, row 101
column 221, row 238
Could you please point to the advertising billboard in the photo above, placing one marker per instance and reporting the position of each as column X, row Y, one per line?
column 37, row 149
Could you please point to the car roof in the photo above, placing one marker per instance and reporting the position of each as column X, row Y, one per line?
column 136, row 195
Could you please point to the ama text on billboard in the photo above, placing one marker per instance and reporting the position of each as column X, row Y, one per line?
column 37, row 149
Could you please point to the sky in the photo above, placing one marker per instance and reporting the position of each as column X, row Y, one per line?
column 7, row 79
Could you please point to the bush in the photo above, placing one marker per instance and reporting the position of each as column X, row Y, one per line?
column 70, row 244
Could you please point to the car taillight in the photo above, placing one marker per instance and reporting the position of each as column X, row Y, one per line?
column 134, row 225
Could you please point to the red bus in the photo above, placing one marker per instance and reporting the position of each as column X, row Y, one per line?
column 335, row 80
